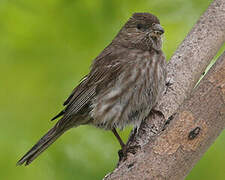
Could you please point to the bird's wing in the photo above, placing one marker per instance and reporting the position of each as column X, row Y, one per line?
column 105, row 69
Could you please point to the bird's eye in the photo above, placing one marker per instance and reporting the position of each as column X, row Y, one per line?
column 140, row 26
column 153, row 24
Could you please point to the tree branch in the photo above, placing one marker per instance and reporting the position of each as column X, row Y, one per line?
column 194, row 55
column 184, row 70
column 198, row 122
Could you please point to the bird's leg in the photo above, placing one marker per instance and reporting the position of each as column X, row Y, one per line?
column 122, row 152
column 118, row 138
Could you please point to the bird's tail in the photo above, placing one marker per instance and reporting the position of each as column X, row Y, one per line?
column 50, row 137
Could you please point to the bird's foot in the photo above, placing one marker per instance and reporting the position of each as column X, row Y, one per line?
column 127, row 150
column 169, row 84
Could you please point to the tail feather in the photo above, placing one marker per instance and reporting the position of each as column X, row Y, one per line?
column 40, row 146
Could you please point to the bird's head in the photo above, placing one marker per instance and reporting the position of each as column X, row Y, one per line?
column 142, row 30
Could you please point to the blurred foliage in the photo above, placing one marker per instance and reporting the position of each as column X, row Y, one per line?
column 46, row 47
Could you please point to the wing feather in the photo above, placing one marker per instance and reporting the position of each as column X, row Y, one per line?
column 105, row 69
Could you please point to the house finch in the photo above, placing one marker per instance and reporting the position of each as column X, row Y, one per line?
column 125, row 82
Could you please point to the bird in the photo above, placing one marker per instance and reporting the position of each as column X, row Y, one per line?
column 125, row 82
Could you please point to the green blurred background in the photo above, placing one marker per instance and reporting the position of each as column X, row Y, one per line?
column 46, row 47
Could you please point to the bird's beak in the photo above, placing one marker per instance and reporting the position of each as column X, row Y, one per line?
column 157, row 29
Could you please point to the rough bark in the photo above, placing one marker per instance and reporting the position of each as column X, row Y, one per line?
column 170, row 154
column 195, row 126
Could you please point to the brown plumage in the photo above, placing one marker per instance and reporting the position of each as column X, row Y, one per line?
column 125, row 82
